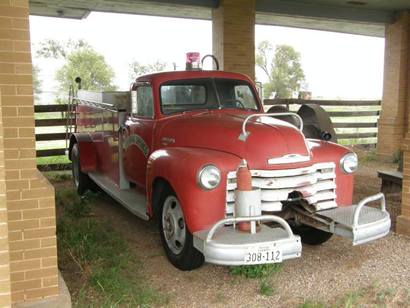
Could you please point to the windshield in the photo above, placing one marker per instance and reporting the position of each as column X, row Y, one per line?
column 186, row 95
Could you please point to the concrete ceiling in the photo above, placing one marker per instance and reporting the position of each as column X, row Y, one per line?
column 366, row 17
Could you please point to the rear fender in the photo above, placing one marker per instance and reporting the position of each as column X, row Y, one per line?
column 179, row 167
column 88, row 153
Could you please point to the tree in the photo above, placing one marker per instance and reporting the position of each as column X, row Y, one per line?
column 81, row 60
column 283, row 69
column 86, row 63
column 56, row 49
column 138, row 69
column 36, row 82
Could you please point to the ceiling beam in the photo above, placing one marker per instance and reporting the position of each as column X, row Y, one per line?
column 341, row 26
column 303, row 9
column 194, row 9
column 203, row 3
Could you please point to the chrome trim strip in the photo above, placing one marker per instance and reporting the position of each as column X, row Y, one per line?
column 288, row 159
column 286, row 172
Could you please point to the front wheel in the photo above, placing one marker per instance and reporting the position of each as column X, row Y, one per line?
column 310, row 235
column 175, row 236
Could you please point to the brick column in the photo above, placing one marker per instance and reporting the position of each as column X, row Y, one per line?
column 233, row 36
column 403, row 221
column 402, row 89
column 393, row 119
column 29, row 198
column 5, row 287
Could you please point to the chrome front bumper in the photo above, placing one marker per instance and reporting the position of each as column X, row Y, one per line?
column 226, row 245
column 360, row 223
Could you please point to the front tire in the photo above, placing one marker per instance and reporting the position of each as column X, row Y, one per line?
column 81, row 180
column 311, row 236
column 175, row 236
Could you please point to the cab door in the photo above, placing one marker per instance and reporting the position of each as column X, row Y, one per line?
column 137, row 134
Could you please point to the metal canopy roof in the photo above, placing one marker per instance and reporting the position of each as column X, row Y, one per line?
column 365, row 17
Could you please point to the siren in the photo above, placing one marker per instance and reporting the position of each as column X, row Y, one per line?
column 193, row 60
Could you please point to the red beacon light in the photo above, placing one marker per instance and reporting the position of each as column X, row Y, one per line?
column 193, row 60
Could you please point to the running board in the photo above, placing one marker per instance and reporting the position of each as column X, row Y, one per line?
column 129, row 198
column 360, row 223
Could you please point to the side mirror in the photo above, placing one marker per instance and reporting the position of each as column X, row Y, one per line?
column 259, row 88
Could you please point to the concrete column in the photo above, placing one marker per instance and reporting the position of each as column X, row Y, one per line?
column 27, row 197
column 233, row 36
column 393, row 119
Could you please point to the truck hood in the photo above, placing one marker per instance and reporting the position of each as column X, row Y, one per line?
column 269, row 138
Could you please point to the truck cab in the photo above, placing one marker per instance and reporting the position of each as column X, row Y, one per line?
column 173, row 147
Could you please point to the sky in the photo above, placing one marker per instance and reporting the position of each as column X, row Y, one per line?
column 336, row 66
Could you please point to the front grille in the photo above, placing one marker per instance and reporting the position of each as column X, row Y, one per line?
column 316, row 183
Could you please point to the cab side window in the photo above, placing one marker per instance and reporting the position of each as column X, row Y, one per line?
column 144, row 103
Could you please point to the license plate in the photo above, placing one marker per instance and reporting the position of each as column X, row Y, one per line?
column 262, row 254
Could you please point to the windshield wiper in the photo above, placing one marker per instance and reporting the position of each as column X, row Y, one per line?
column 220, row 106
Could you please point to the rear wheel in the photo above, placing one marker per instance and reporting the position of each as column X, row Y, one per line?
column 81, row 180
column 175, row 236
column 311, row 236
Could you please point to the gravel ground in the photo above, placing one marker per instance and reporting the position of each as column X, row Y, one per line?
column 323, row 273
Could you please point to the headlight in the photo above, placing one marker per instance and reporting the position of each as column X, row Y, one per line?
column 209, row 177
column 349, row 163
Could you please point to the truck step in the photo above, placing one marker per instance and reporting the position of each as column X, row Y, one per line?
column 360, row 223
column 132, row 200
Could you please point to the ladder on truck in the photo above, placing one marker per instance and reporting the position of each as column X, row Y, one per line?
column 70, row 126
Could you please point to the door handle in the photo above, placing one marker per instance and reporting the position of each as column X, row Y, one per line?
column 123, row 128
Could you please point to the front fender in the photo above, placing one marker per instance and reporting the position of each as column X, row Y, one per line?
column 332, row 152
column 180, row 167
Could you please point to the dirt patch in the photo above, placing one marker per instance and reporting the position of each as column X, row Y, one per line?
column 323, row 273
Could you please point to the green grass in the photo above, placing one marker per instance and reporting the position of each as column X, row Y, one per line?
column 50, row 160
column 350, row 299
column 384, row 294
column 256, row 271
column 354, row 141
column 368, row 156
column 58, row 176
column 49, row 115
column 100, row 256
column 266, row 289
column 263, row 272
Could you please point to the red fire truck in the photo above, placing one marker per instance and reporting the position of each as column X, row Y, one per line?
column 175, row 145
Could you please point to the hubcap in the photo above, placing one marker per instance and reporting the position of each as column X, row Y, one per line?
column 173, row 225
